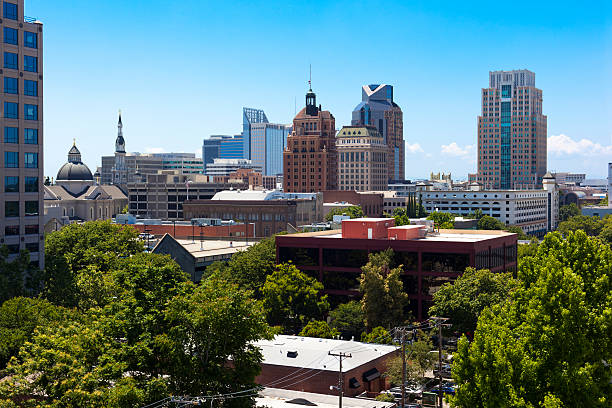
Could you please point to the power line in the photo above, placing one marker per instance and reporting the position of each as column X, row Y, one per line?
column 340, row 355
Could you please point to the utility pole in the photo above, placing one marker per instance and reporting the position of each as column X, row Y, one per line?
column 403, row 340
column 438, row 322
column 340, row 355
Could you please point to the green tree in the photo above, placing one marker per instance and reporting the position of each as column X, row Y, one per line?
column 17, row 277
column 385, row 397
column 378, row 335
column 210, row 325
column 548, row 345
column 442, row 220
column 320, row 329
column 476, row 215
column 530, row 249
column 19, row 317
column 250, row 268
column 95, row 246
column 291, row 298
column 383, row 297
column 490, row 223
column 401, row 216
column 463, row 300
column 591, row 225
column 518, row 231
column 418, row 360
column 348, row 319
column 354, row 211
column 568, row 211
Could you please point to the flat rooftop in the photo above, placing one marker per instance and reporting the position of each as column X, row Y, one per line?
column 444, row 235
column 213, row 247
column 280, row 398
column 312, row 353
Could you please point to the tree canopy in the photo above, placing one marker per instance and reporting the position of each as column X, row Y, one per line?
column 18, row 277
column 548, row 344
column 463, row 300
column 568, row 211
column 418, row 360
column 353, row 211
column 487, row 222
column 320, row 329
column 383, row 297
column 442, row 220
column 348, row 319
column 593, row 226
column 291, row 298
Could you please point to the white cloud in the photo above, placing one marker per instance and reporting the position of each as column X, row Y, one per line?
column 155, row 150
column 562, row 144
column 453, row 149
column 414, row 148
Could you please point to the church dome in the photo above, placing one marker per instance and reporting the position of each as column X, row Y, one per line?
column 74, row 172
column 75, row 169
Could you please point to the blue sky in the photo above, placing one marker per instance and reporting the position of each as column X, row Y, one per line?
column 181, row 71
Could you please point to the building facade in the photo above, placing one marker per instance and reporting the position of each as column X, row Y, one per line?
column 232, row 148
column 535, row 211
column 378, row 109
column 370, row 202
column 225, row 167
column 250, row 117
column 362, row 159
column 271, row 211
column 511, row 132
column 211, row 148
column 268, row 142
column 21, row 193
column 429, row 259
column 310, row 161
column 162, row 195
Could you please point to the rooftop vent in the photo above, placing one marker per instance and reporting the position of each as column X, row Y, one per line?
column 292, row 354
column 301, row 401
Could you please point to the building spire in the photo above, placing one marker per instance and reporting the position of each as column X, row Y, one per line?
column 120, row 142
column 310, row 77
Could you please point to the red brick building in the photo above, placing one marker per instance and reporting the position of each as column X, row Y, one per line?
column 372, row 204
column 310, row 162
column 429, row 258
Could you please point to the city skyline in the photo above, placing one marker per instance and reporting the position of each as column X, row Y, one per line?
column 440, row 56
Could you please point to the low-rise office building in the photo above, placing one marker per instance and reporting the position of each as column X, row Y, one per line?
column 535, row 211
column 162, row 195
column 428, row 258
column 370, row 202
column 284, row 356
column 270, row 211
column 225, row 167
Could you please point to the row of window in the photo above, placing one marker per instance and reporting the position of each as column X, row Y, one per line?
column 11, row 135
column 11, row 61
column 11, row 160
column 11, row 35
column 11, row 86
column 14, row 229
column 9, row 10
column 11, row 208
column 11, row 184
column 11, row 111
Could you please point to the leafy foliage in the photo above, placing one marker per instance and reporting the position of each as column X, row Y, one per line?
column 568, row 211
column 383, row 297
column 291, row 298
column 18, row 277
column 525, row 250
column 348, row 319
column 548, row 345
column 463, row 300
column 518, row 231
column 250, row 268
column 353, row 211
column 93, row 247
column 320, row 329
column 418, row 360
column 442, row 220
column 385, row 397
column 593, row 226
column 490, row 223
column 378, row 335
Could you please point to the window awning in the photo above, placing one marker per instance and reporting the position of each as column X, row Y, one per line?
column 371, row 375
column 354, row 383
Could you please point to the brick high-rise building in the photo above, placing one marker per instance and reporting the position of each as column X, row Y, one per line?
column 21, row 157
column 511, row 132
column 310, row 161
column 378, row 109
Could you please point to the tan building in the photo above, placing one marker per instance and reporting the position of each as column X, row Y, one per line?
column 362, row 159
column 246, row 176
column 75, row 197
column 511, row 132
column 310, row 162
column 21, row 145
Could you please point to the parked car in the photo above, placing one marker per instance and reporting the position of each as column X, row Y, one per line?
column 448, row 387
column 446, row 370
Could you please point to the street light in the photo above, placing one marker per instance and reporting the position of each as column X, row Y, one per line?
column 147, row 231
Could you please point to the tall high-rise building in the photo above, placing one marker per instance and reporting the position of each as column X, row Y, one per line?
column 511, row 132
column 232, row 148
column 310, row 160
column 268, row 142
column 250, row 116
column 362, row 159
column 211, row 146
column 378, row 109
column 21, row 193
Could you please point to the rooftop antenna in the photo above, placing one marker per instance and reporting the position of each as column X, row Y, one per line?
column 310, row 76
